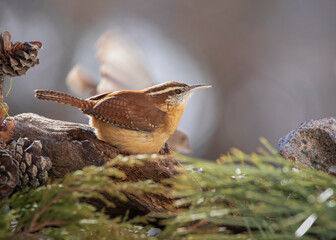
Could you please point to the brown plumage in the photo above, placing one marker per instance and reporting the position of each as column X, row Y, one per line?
column 129, row 110
column 133, row 121
column 64, row 98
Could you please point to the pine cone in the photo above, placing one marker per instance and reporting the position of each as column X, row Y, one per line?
column 16, row 59
column 33, row 167
column 9, row 174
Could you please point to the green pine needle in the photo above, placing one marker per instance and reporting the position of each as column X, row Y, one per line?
column 10, row 87
column 3, row 107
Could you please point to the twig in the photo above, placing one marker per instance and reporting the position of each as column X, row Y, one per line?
column 46, row 224
column 198, row 224
column 34, row 226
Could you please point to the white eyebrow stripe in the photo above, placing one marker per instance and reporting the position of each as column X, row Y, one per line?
column 165, row 90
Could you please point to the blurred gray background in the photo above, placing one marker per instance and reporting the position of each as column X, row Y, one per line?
column 272, row 64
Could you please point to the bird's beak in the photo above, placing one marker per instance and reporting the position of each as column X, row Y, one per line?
column 194, row 87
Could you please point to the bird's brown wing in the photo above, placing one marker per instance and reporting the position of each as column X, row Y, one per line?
column 120, row 111
column 99, row 96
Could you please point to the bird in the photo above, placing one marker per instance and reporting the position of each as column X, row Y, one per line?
column 136, row 122
column 122, row 67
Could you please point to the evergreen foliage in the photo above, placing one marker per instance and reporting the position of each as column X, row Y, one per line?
column 57, row 212
column 241, row 196
column 253, row 197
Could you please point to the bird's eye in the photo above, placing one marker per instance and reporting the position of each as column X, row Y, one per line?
column 178, row 91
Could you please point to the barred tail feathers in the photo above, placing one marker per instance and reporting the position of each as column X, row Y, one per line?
column 64, row 98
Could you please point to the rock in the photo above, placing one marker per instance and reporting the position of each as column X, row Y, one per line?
column 312, row 143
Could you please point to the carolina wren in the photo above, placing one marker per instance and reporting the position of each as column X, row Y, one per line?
column 134, row 121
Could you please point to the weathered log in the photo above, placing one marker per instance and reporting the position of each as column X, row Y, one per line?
column 70, row 146
column 73, row 146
